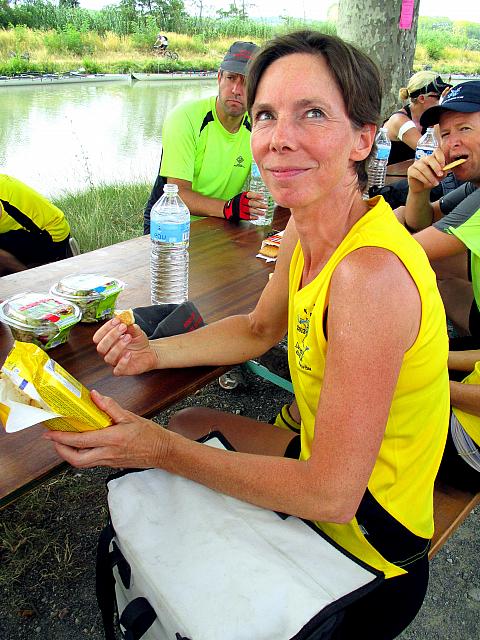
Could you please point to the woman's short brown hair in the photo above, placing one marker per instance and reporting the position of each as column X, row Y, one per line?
column 356, row 75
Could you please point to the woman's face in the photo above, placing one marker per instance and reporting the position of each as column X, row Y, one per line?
column 302, row 138
column 428, row 100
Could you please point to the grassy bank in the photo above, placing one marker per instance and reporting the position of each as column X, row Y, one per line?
column 23, row 49
column 106, row 214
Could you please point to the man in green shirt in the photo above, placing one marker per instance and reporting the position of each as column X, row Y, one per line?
column 206, row 147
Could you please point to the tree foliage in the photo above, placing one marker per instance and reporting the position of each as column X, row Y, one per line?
column 73, row 4
column 145, row 16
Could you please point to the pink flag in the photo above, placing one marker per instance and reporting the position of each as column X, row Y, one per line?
column 406, row 15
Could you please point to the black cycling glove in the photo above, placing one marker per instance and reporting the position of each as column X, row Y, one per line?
column 237, row 208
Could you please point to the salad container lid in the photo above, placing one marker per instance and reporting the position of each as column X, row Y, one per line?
column 39, row 312
column 87, row 286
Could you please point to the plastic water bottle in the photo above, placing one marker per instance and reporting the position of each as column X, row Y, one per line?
column 426, row 145
column 169, row 234
column 377, row 167
column 258, row 186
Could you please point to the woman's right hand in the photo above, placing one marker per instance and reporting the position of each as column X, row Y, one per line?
column 127, row 349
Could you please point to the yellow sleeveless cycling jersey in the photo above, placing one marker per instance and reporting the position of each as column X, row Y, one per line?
column 43, row 213
column 403, row 476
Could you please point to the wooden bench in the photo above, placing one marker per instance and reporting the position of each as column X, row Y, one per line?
column 451, row 507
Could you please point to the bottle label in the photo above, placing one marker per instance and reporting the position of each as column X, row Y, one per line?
column 255, row 171
column 170, row 233
column 423, row 151
column 383, row 152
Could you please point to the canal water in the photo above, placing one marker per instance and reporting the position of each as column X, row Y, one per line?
column 73, row 136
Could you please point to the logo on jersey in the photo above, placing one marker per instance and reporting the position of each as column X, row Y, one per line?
column 240, row 162
column 301, row 346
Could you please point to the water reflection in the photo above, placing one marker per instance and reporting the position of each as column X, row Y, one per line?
column 70, row 137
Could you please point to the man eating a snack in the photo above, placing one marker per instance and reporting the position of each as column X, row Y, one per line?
column 458, row 117
column 206, row 148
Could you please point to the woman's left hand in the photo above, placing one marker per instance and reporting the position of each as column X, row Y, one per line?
column 131, row 441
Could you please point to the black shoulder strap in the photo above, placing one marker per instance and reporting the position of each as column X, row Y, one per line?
column 105, row 582
column 23, row 220
column 157, row 191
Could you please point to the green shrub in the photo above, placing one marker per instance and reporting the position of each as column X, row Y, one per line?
column 91, row 66
column 163, row 65
column 68, row 40
column 123, row 66
column 143, row 40
column 435, row 50
column 17, row 65
column 474, row 44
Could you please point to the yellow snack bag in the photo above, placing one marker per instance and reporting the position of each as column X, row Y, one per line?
column 34, row 388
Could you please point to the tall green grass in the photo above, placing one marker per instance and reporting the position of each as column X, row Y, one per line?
column 106, row 214
column 69, row 47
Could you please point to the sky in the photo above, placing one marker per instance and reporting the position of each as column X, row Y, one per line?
column 317, row 9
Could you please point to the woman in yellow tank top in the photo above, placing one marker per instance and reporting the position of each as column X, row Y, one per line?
column 367, row 343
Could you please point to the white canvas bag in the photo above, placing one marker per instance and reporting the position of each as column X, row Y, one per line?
column 216, row 568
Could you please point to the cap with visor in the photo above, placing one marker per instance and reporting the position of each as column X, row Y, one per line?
column 238, row 56
column 463, row 98
column 437, row 85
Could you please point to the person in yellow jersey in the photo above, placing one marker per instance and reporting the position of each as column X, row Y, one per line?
column 460, row 465
column 367, row 344
column 32, row 229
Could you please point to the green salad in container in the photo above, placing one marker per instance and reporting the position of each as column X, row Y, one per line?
column 95, row 294
column 41, row 318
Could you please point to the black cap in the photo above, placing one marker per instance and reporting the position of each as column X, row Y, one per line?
column 437, row 85
column 238, row 56
column 464, row 97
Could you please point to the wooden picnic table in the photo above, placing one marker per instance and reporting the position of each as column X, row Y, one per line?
column 225, row 278
column 398, row 170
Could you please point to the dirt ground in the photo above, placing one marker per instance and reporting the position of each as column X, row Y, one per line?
column 48, row 542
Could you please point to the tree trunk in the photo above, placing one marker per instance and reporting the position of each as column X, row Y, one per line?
column 372, row 25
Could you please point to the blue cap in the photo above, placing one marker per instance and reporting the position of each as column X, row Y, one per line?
column 463, row 97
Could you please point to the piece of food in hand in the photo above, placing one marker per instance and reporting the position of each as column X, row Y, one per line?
column 125, row 315
column 453, row 164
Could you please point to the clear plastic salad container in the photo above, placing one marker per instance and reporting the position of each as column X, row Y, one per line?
column 95, row 294
column 41, row 318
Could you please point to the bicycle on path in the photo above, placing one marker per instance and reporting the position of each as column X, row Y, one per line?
column 162, row 52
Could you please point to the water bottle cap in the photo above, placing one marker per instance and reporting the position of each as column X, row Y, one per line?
column 170, row 188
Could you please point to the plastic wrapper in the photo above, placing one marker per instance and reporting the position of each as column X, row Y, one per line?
column 95, row 294
column 41, row 318
column 34, row 388
column 270, row 247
